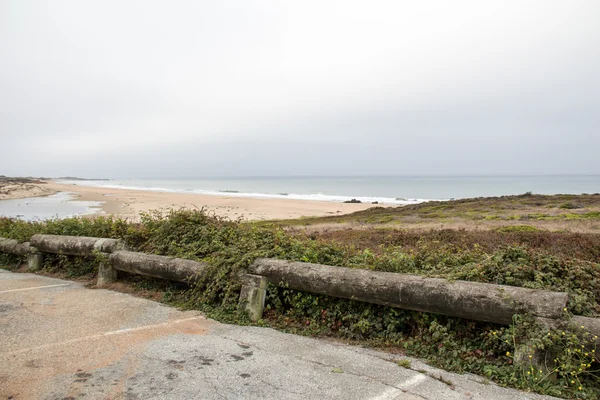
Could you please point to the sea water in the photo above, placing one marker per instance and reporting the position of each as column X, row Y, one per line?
column 382, row 189
column 59, row 205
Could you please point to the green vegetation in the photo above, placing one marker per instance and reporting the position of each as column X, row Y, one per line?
column 478, row 212
column 569, row 206
column 517, row 228
column 516, row 256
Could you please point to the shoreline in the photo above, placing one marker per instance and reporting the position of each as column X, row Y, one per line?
column 314, row 195
column 129, row 203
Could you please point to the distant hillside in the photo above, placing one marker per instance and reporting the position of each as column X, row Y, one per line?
column 72, row 178
column 6, row 180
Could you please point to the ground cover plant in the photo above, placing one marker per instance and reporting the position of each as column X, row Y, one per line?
column 580, row 213
column 520, row 257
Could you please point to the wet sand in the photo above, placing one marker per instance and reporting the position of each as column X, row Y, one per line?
column 129, row 203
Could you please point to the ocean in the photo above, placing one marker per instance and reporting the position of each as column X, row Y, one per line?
column 382, row 189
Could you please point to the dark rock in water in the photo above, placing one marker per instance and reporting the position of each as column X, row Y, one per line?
column 353, row 201
column 375, row 202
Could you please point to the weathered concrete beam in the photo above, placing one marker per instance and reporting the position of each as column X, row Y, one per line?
column 8, row 245
column 11, row 246
column 75, row 245
column 589, row 325
column 175, row 269
column 23, row 249
column 528, row 355
column 587, row 328
column 470, row 300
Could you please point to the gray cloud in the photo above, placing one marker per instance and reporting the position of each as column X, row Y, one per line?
column 152, row 88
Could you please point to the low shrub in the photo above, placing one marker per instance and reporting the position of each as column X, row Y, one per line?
column 569, row 206
column 517, row 228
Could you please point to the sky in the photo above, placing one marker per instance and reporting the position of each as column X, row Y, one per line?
column 159, row 89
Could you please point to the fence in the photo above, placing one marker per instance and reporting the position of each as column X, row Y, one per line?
column 471, row 300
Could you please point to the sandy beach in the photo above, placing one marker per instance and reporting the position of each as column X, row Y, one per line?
column 129, row 203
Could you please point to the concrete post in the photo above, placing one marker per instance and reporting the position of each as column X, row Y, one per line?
column 106, row 274
column 35, row 260
column 253, row 294
column 528, row 357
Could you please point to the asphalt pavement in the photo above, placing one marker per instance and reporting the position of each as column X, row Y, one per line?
column 61, row 340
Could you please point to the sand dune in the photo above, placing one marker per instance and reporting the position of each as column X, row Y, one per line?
column 13, row 190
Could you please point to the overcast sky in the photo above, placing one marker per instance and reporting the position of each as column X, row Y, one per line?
column 243, row 88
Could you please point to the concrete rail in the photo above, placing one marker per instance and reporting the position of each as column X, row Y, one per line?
column 11, row 246
column 588, row 329
column 75, row 245
column 470, row 300
column 175, row 269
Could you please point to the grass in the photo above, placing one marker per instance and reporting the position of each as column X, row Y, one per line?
column 564, row 245
column 517, row 255
column 478, row 212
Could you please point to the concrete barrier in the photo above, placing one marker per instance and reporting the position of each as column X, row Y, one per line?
column 470, row 300
column 588, row 329
column 175, row 269
column 116, row 258
column 35, row 259
column 75, row 245
column 11, row 246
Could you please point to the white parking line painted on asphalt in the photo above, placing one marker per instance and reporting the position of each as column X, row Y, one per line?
column 140, row 328
column 100, row 335
column 33, row 288
column 414, row 381
column 389, row 394
column 394, row 392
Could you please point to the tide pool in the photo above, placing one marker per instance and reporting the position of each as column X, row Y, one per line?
column 57, row 206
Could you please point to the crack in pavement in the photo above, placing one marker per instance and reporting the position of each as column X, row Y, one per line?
column 216, row 389
column 363, row 375
column 277, row 387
